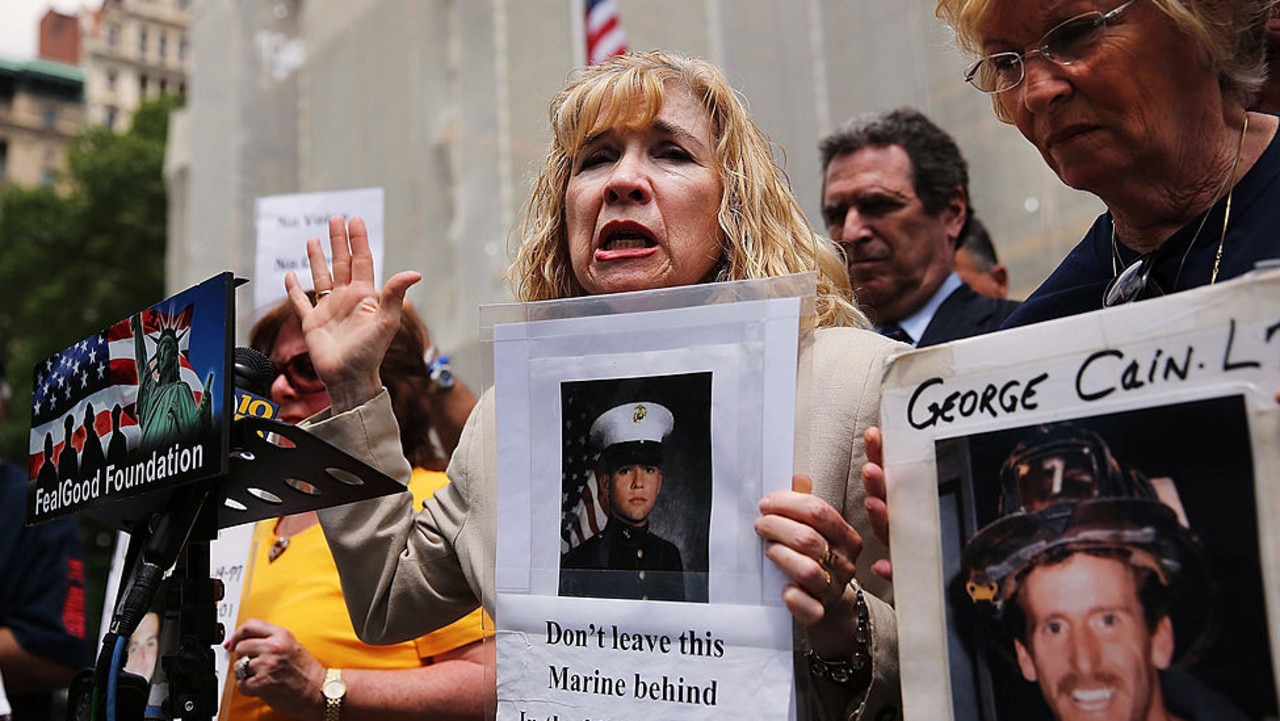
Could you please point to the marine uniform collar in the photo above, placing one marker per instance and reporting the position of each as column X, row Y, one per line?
column 632, row 534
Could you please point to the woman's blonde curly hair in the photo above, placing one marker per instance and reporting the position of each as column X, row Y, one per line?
column 765, row 232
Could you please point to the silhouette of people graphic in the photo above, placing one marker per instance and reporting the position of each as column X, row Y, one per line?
column 92, row 457
column 68, row 464
column 48, row 475
column 117, row 446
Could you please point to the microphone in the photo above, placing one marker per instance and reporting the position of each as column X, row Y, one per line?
column 254, row 373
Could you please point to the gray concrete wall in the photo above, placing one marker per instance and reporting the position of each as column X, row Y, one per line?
column 443, row 103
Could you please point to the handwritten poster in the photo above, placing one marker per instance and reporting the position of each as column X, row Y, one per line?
column 284, row 223
column 1083, row 513
column 636, row 435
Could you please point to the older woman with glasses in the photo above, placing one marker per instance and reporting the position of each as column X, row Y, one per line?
column 1142, row 103
column 656, row 177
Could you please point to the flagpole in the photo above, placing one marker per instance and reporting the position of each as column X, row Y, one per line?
column 502, row 91
column 578, row 31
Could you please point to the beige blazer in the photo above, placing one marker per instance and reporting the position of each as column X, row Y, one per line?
column 405, row 573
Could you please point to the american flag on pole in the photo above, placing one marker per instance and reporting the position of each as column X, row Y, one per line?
column 605, row 37
column 100, row 370
column 581, row 513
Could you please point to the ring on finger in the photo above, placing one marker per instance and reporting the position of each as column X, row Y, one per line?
column 828, row 560
column 320, row 294
column 242, row 668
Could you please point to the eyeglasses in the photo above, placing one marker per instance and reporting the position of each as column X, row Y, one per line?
column 301, row 374
column 1068, row 42
column 1133, row 283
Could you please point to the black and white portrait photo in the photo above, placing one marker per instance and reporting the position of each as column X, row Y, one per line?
column 636, row 488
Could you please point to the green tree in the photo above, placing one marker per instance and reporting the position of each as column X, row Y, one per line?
column 72, row 262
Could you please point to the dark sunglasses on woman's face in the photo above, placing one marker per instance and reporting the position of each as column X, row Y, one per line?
column 300, row 373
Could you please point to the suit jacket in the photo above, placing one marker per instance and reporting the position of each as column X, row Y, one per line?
column 966, row 313
column 405, row 573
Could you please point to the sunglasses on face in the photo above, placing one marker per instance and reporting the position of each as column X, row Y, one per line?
column 300, row 373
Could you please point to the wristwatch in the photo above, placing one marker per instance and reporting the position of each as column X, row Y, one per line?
column 334, row 690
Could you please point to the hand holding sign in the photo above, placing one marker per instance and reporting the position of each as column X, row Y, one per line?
column 817, row 549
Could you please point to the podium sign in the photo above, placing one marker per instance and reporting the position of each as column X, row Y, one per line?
column 138, row 407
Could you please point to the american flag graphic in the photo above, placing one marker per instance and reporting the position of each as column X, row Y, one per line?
column 100, row 371
column 605, row 37
column 581, row 514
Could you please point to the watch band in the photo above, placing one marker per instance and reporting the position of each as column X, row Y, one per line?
column 334, row 690
column 855, row 671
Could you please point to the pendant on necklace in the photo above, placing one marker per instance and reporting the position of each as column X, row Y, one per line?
column 277, row 548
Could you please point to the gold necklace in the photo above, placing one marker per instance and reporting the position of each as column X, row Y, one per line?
column 1229, row 181
column 1217, row 258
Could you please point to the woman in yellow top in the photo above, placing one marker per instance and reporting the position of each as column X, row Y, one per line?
column 295, row 638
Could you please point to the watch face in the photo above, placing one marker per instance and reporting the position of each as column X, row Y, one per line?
column 334, row 689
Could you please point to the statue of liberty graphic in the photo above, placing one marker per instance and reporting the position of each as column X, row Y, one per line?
column 167, row 409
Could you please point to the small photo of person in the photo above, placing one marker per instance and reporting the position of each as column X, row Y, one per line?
column 142, row 652
column 1087, row 588
column 619, row 538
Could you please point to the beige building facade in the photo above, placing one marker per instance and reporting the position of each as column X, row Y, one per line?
column 132, row 50
column 41, row 110
column 443, row 103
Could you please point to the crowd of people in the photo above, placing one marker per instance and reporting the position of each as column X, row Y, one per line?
column 657, row 177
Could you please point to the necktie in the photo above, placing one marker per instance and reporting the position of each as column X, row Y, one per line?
column 896, row 332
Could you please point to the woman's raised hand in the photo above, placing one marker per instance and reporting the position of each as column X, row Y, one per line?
column 352, row 322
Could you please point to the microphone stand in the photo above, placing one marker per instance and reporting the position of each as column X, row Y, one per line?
column 189, row 672
column 275, row 469
column 191, row 678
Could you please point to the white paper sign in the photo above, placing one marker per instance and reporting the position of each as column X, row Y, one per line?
column 578, row 658
column 284, row 222
column 624, row 636
column 1083, row 513
column 229, row 557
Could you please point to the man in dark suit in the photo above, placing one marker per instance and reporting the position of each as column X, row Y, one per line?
column 895, row 197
